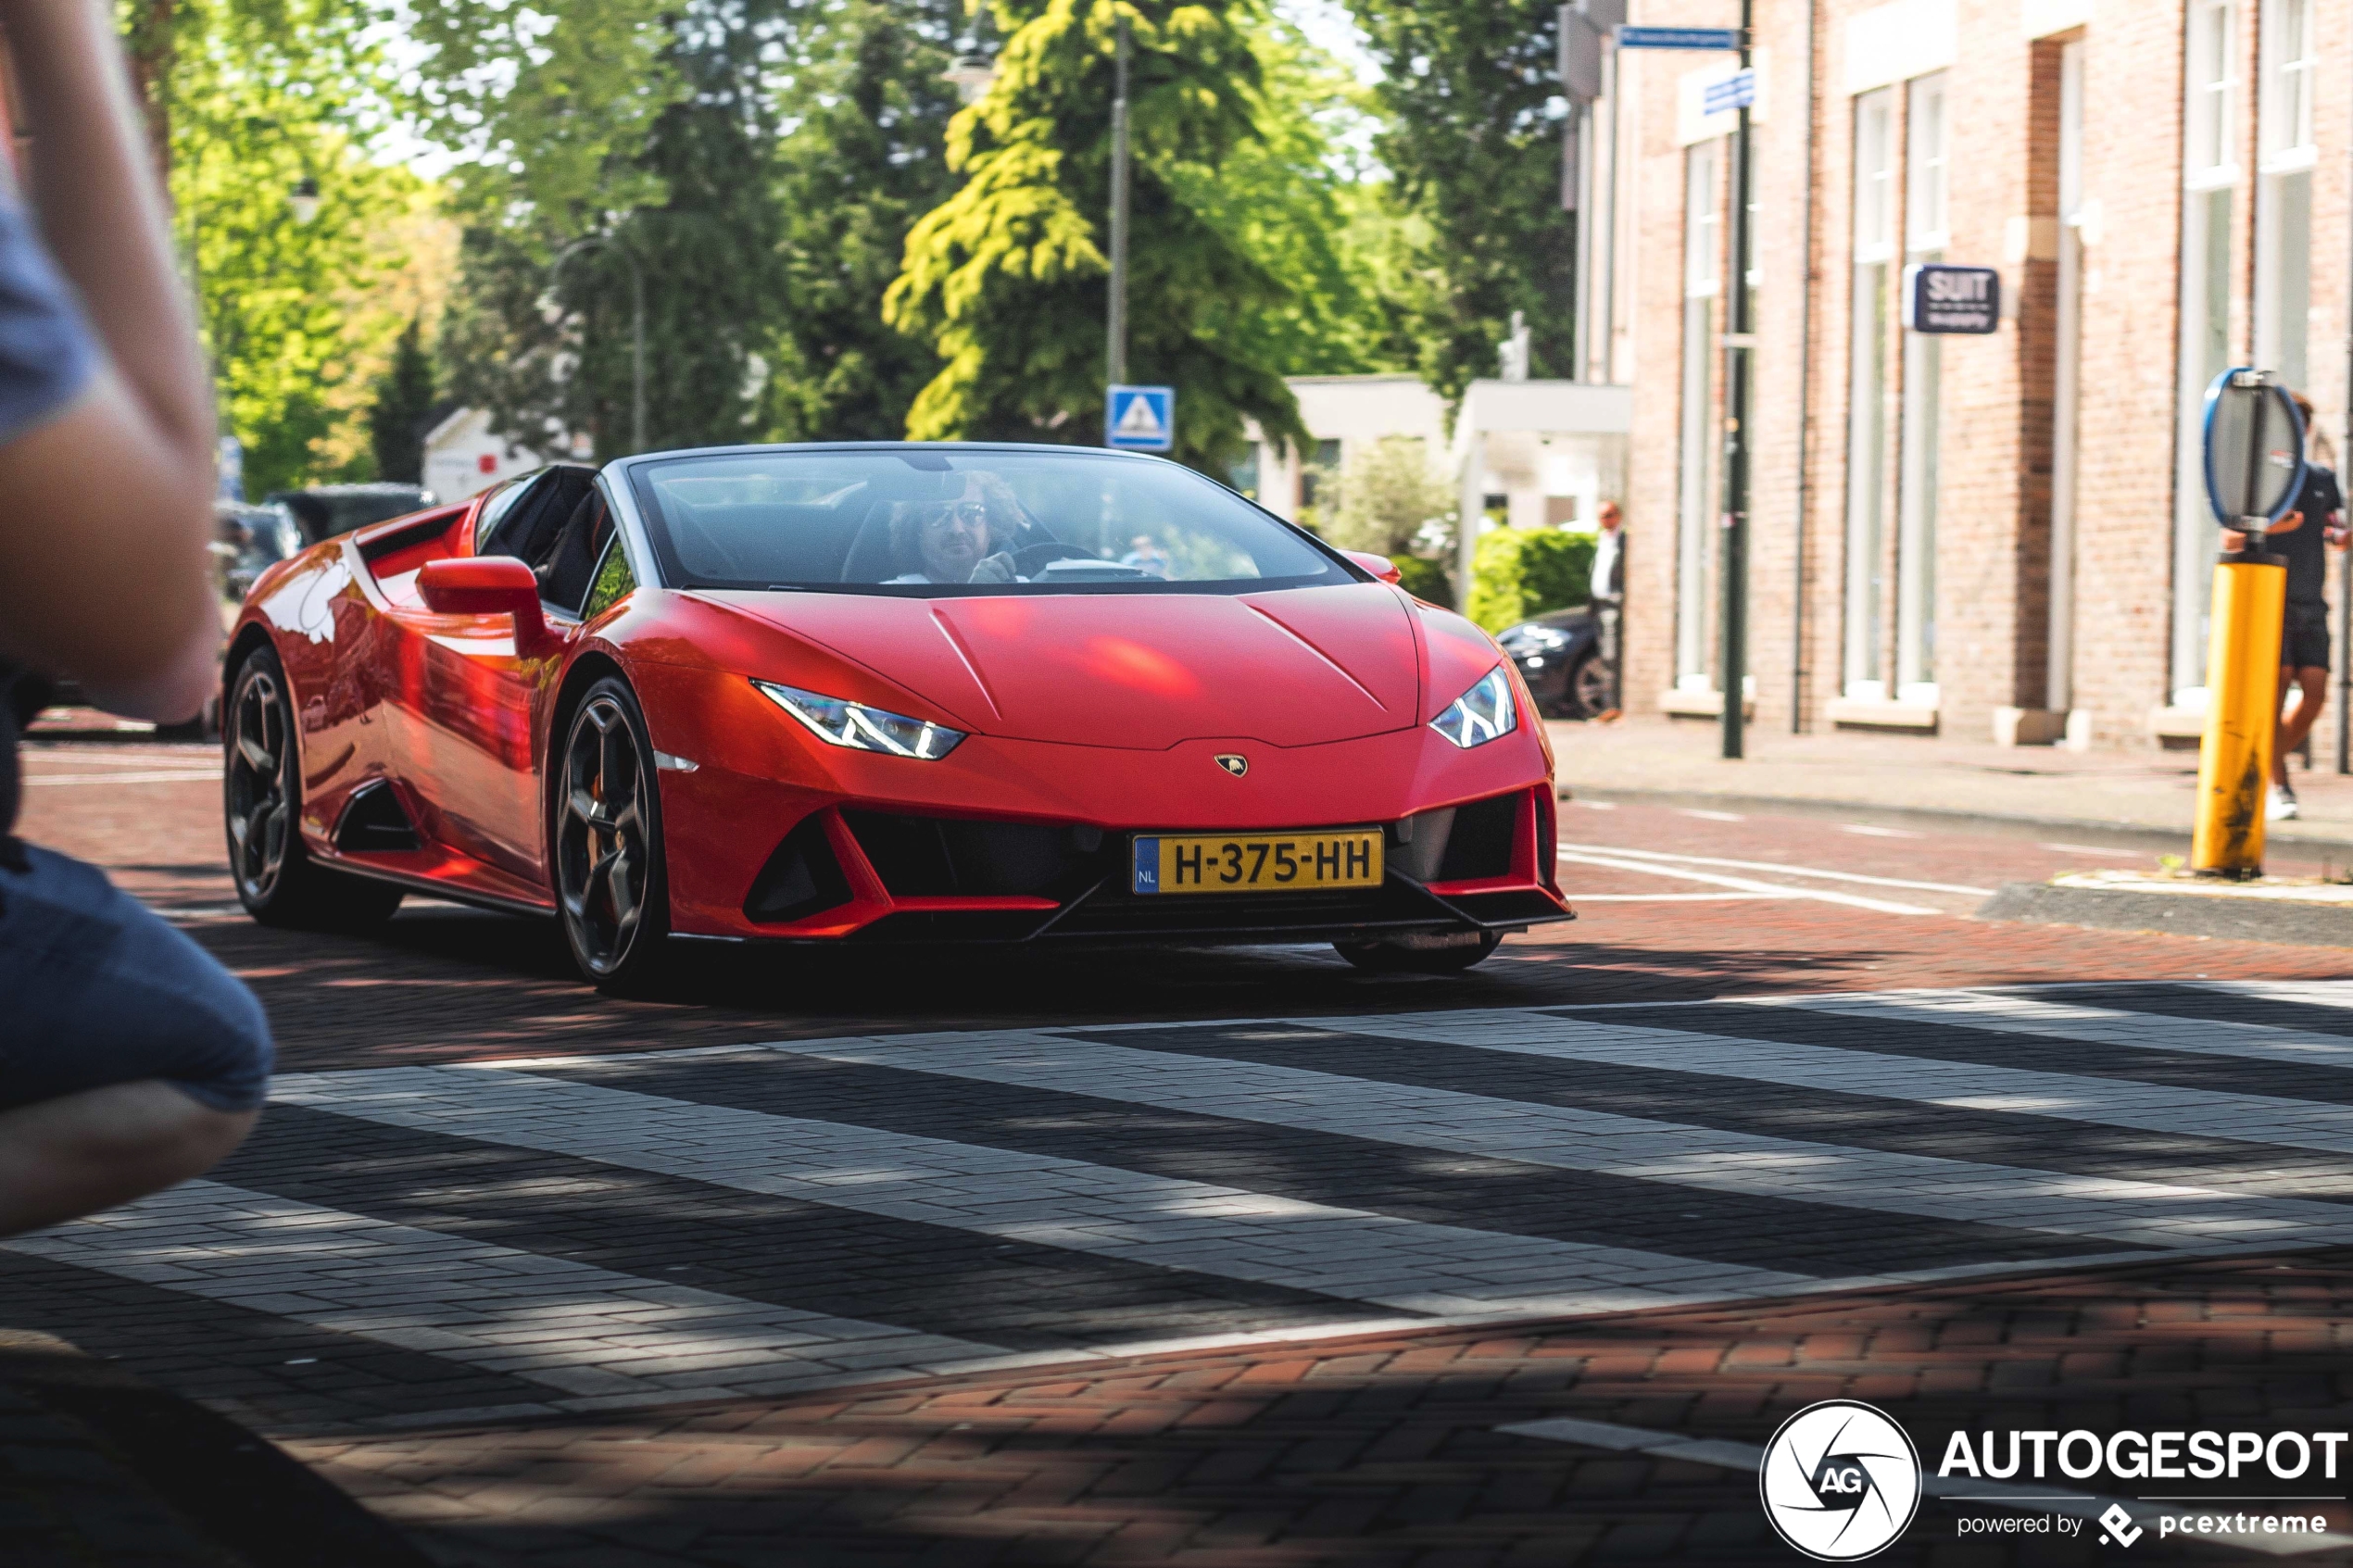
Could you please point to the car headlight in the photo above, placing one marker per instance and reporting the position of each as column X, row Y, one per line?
column 857, row 727
column 1483, row 713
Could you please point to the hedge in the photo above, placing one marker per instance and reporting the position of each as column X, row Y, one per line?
column 1518, row 573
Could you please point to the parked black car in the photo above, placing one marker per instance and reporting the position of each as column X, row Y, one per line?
column 1559, row 654
column 326, row 511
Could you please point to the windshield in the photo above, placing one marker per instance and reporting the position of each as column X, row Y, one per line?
column 931, row 521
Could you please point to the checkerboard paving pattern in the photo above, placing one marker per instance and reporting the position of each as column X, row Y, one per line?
column 570, row 1235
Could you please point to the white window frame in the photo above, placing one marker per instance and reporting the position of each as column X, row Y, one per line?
column 1928, row 226
column 1703, row 188
column 1874, row 124
column 2211, row 173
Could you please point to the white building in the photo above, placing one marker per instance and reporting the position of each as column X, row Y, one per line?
column 464, row 457
column 1539, row 453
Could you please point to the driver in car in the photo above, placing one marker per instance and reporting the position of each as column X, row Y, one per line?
column 965, row 538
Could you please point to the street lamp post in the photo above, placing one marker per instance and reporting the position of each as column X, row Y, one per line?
column 637, row 324
column 1118, row 324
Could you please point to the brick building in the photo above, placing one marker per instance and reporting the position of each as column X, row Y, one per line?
column 1999, row 535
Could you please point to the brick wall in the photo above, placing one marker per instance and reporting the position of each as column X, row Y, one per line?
column 1993, row 559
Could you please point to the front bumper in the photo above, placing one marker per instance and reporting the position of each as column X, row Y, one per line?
column 771, row 838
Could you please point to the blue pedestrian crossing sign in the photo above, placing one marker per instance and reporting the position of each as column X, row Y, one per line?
column 1140, row 419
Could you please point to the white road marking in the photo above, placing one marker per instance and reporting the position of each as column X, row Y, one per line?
column 2087, row 849
column 1712, row 816
column 1220, row 1231
column 1745, row 885
column 1869, row 832
column 1596, row 805
column 1963, row 1085
column 2091, row 1026
column 1776, row 866
column 590, row 1332
column 2108, row 1209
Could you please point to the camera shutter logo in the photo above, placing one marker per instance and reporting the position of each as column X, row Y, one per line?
column 1841, row 1481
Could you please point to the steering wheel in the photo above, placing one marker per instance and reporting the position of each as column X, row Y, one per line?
column 1031, row 559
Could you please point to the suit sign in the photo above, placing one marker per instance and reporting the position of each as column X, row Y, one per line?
column 1140, row 419
column 1938, row 298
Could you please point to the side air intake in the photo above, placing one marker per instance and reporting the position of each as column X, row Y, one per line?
column 800, row 879
column 375, row 822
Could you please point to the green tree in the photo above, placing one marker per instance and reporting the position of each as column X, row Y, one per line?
column 652, row 132
column 867, row 158
column 262, row 97
column 403, row 406
column 1007, row 279
column 1472, row 97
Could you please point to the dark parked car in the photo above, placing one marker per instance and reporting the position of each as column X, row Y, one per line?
column 1559, row 654
column 326, row 511
column 248, row 541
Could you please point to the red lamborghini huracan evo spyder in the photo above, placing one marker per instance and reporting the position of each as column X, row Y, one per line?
column 876, row 693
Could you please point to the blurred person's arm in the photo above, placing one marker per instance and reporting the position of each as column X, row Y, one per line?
column 106, row 506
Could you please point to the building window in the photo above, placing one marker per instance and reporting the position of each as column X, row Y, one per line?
column 2283, row 212
column 1925, row 229
column 1867, row 391
column 1695, row 538
column 2210, row 177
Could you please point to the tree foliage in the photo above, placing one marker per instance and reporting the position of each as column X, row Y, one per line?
column 1472, row 95
column 866, row 158
column 1007, row 280
column 403, row 408
column 252, row 97
column 599, row 135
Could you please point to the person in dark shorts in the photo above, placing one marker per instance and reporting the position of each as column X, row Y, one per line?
column 129, row 1058
column 2302, row 537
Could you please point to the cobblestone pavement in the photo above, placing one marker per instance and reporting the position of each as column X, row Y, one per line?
column 1238, row 1259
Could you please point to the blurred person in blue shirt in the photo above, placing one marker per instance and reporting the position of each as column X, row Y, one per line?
column 129, row 1058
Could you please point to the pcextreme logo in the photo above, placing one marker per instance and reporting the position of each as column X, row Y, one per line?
column 1840, row 1481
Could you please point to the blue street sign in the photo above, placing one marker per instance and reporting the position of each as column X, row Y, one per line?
column 1677, row 37
column 1140, row 419
column 1737, row 90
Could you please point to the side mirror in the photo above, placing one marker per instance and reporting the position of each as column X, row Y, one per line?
column 1380, row 566
column 483, row 585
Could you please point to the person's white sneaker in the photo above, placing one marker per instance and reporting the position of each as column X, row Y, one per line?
column 2281, row 807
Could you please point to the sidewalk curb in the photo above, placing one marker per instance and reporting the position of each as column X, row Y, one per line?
column 2123, row 836
column 2179, row 914
column 233, row 1496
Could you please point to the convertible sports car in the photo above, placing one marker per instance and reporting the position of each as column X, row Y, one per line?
column 882, row 693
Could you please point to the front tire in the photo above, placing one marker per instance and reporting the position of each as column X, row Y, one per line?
column 611, row 885
column 1389, row 958
column 278, row 882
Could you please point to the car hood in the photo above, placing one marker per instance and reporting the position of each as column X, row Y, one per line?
column 1301, row 667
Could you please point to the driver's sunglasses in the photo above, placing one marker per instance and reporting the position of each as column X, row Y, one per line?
column 973, row 514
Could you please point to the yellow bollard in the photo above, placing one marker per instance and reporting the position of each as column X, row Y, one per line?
column 2242, row 717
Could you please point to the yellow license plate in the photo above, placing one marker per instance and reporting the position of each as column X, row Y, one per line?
column 1258, row 862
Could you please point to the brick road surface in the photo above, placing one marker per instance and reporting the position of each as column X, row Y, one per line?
column 878, row 1258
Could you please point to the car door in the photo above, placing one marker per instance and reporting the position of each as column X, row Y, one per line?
column 470, row 750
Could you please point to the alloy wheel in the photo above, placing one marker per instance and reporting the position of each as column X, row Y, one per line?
column 601, row 853
column 257, row 783
column 1589, row 687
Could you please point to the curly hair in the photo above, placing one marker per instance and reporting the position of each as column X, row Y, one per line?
column 1004, row 511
